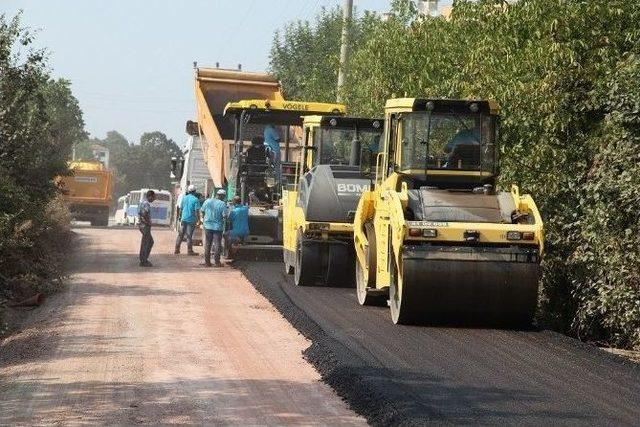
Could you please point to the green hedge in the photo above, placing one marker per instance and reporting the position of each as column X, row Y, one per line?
column 39, row 121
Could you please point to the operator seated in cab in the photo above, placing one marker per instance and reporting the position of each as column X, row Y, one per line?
column 258, row 168
column 258, row 153
column 463, row 150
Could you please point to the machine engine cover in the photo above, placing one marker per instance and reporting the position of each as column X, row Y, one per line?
column 330, row 193
column 432, row 204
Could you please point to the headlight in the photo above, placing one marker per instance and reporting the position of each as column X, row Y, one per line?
column 430, row 233
column 514, row 235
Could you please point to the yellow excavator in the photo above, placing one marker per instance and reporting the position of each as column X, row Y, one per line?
column 434, row 237
column 319, row 207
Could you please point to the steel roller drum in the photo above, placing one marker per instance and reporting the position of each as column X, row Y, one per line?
column 476, row 286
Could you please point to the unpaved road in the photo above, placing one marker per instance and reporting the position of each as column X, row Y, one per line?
column 436, row 375
column 172, row 344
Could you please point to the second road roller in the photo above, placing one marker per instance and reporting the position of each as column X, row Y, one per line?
column 434, row 237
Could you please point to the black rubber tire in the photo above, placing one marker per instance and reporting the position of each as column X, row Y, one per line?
column 400, row 314
column 288, row 268
column 365, row 297
column 307, row 262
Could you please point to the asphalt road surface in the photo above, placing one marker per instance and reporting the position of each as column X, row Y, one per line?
column 434, row 375
column 174, row 344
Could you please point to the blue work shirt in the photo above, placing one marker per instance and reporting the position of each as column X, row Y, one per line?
column 214, row 211
column 190, row 205
column 239, row 218
column 272, row 140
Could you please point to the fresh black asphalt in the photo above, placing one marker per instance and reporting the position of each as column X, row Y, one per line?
column 417, row 375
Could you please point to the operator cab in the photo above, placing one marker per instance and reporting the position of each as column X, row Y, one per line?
column 340, row 141
column 443, row 143
column 260, row 170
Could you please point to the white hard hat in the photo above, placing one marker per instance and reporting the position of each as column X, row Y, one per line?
column 191, row 188
column 221, row 192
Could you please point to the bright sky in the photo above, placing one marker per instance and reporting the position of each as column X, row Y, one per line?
column 131, row 61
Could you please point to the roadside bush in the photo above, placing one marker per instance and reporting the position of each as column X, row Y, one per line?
column 39, row 121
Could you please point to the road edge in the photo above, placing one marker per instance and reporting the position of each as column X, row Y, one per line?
column 339, row 367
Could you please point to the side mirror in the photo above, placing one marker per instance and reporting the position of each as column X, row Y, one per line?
column 192, row 128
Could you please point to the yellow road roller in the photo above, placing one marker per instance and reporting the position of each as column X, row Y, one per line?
column 319, row 206
column 434, row 237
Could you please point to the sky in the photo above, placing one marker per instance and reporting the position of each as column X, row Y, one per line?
column 130, row 62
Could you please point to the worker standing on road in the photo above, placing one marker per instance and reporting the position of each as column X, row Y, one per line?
column 189, row 219
column 214, row 212
column 238, row 225
column 144, row 223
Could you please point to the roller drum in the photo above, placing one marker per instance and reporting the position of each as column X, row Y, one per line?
column 470, row 286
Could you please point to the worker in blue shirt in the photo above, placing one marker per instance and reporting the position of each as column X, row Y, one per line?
column 272, row 142
column 238, row 225
column 189, row 219
column 214, row 211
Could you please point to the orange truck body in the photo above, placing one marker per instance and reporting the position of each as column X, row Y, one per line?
column 88, row 191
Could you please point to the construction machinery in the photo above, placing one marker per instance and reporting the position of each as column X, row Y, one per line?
column 253, row 175
column 319, row 206
column 434, row 236
column 88, row 191
column 233, row 106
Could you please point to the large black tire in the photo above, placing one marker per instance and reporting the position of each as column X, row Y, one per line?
column 399, row 312
column 365, row 297
column 307, row 262
column 288, row 268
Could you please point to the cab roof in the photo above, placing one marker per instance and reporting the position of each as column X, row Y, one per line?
column 445, row 105
column 301, row 107
column 346, row 122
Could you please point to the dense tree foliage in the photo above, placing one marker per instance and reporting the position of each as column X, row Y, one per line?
column 306, row 55
column 40, row 120
column 565, row 73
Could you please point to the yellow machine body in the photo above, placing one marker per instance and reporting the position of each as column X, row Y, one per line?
column 416, row 241
column 318, row 207
column 260, row 185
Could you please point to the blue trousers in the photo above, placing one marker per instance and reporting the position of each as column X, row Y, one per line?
column 186, row 229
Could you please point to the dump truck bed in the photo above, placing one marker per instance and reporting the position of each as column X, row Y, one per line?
column 214, row 88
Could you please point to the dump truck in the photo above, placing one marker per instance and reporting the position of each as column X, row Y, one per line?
column 320, row 205
column 252, row 173
column 434, row 237
column 88, row 191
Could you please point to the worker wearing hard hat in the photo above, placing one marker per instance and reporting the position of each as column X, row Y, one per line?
column 189, row 219
column 214, row 211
